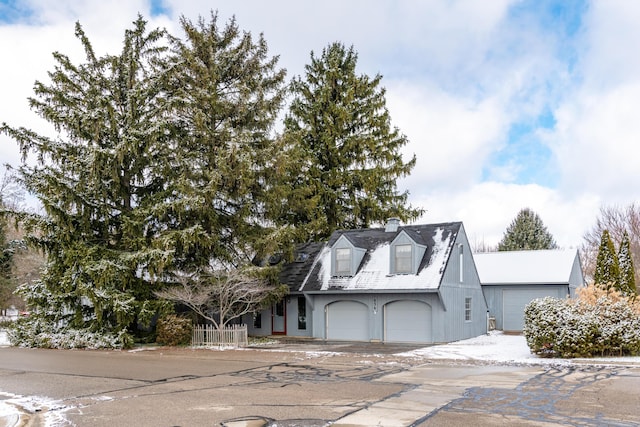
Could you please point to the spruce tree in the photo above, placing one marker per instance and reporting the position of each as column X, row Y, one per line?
column 607, row 273
column 98, row 181
column 225, row 93
column 627, row 282
column 526, row 232
column 348, row 157
column 162, row 164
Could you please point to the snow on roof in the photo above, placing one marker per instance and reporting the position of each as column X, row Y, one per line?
column 375, row 273
column 516, row 267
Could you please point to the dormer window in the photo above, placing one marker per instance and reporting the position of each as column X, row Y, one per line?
column 403, row 255
column 343, row 262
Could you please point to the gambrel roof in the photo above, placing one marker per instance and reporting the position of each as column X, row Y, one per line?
column 526, row 267
column 373, row 273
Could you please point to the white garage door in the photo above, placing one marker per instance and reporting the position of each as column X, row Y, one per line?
column 347, row 320
column 407, row 321
column 514, row 302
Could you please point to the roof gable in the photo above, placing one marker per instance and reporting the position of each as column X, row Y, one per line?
column 373, row 273
column 525, row 267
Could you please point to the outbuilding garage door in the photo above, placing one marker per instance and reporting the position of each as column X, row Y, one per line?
column 347, row 320
column 514, row 302
column 407, row 321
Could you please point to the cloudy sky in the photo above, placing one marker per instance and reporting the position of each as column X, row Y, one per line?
column 506, row 103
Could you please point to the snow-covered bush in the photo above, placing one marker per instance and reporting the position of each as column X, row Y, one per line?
column 598, row 322
column 174, row 330
column 542, row 324
column 36, row 332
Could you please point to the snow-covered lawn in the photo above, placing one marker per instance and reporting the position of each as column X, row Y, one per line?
column 500, row 348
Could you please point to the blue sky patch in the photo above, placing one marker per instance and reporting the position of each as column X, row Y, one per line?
column 525, row 159
column 158, row 7
column 12, row 11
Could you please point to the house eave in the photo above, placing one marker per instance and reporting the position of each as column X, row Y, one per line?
column 372, row 291
column 526, row 284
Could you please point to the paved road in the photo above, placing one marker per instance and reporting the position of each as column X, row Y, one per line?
column 357, row 386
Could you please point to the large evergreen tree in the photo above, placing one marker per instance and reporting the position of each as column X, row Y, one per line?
column 627, row 282
column 98, row 181
column 349, row 154
column 526, row 232
column 160, row 164
column 607, row 272
column 225, row 92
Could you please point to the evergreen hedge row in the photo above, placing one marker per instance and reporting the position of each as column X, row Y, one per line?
column 597, row 323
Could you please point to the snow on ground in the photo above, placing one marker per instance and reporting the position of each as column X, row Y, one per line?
column 12, row 405
column 494, row 347
column 497, row 347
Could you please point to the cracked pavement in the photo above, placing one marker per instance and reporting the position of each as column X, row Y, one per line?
column 300, row 385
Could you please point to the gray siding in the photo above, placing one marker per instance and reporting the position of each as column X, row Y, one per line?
column 292, row 315
column 375, row 310
column 454, row 292
column 495, row 302
column 576, row 279
column 446, row 305
column 356, row 254
column 418, row 252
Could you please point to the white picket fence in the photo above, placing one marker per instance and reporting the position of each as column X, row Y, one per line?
column 231, row 336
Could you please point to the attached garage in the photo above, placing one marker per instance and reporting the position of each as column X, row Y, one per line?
column 347, row 320
column 515, row 300
column 407, row 321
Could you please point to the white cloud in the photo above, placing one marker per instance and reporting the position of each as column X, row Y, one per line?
column 488, row 208
column 596, row 143
column 595, row 139
column 451, row 137
column 459, row 74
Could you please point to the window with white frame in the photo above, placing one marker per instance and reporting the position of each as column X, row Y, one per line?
column 461, row 261
column 467, row 309
column 403, row 254
column 343, row 262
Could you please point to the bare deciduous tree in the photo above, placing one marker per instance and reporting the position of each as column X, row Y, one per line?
column 11, row 191
column 617, row 220
column 222, row 295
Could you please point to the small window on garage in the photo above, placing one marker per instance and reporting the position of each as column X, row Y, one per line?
column 461, row 261
column 402, row 259
column 343, row 262
column 302, row 313
column 467, row 309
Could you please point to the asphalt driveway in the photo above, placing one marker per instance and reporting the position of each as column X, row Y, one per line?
column 305, row 385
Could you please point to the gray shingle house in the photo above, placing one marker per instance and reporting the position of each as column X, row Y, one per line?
column 510, row 280
column 414, row 283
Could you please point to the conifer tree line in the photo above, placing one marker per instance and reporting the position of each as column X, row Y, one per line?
column 621, row 223
column 165, row 163
column 615, row 270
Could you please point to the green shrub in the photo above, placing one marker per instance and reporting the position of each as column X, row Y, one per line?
column 597, row 323
column 174, row 330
